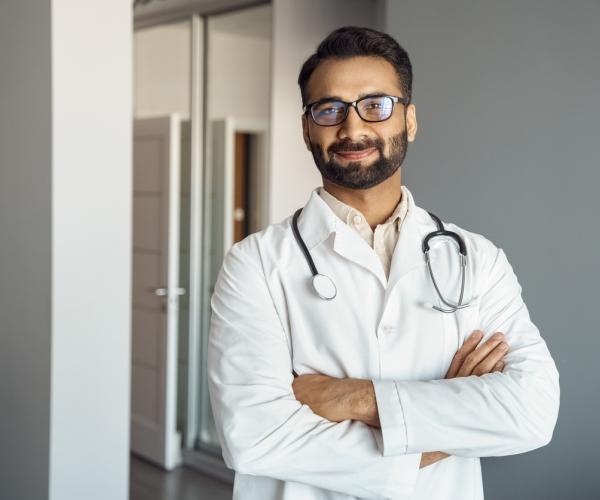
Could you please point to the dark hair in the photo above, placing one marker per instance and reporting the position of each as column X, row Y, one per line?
column 353, row 41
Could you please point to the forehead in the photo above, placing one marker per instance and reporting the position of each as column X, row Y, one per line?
column 352, row 78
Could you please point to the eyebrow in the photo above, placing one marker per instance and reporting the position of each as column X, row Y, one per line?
column 376, row 93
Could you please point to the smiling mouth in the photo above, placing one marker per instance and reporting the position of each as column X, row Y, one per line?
column 355, row 155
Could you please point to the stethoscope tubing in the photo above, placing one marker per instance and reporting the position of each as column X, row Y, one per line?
column 322, row 281
column 323, row 285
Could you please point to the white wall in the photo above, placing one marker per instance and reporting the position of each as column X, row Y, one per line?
column 238, row 75
column 65, row 221
column 162, row 76
column 162, row 70
column 91, row 249
column 298, row 27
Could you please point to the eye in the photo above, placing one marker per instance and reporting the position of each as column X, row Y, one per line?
column 375, row 102
column 329, row 111
column 329, row 108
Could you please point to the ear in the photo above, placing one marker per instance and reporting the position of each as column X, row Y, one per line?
column 305, row 131
column 411, row 122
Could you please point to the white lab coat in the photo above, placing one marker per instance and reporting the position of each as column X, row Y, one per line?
column 267, row 321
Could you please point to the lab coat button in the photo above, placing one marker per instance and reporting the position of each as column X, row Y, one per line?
column 387, row 329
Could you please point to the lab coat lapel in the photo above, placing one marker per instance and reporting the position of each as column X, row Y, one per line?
column 408, row 254
column 317, row 221
column 349, row 244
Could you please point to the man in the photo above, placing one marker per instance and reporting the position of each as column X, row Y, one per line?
column 370, row 393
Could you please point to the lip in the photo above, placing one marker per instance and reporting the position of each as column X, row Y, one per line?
column 356, row 155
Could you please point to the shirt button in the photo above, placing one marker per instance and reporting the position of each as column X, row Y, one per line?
column 387, row 329
column 357, row 219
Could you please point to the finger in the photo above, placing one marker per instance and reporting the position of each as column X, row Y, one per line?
column 479, row 355
column 468, row 346
column 475, row 357
column 490, row 361
column 499, row 366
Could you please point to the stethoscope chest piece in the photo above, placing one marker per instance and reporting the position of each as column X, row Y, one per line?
column 324, row 286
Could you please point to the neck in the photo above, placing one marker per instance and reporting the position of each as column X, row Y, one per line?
column 376, row 203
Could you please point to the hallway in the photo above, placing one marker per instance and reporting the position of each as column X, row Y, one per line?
column 148, row 482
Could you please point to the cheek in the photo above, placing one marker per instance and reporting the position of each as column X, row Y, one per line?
column 324, row 137
column 390, row 131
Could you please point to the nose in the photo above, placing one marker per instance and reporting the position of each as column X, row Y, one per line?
column 353, row 127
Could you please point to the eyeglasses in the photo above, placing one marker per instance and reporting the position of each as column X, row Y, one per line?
column 371, row 108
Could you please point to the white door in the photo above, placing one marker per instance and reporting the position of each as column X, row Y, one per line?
column 155, row 290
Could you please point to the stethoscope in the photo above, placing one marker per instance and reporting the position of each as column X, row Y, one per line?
column 326, row 289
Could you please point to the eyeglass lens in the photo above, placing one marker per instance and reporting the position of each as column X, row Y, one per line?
column 372, row 109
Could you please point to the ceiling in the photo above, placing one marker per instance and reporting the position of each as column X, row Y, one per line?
column 256, row 22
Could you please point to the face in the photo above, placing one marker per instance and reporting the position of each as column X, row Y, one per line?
column 357, row 154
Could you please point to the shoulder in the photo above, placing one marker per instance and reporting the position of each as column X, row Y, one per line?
column 483, row 254
column 476, row 243
column 263, row 248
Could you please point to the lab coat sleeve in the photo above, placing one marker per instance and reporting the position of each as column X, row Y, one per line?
column 495, row 414
column 262, row 428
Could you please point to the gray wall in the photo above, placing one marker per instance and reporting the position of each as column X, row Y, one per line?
column 25, row 248
column 508, row 102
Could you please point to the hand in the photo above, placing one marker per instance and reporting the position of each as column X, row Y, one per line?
column 329, row 397
column 431, row 457
column 343, row 399
column 472, row 360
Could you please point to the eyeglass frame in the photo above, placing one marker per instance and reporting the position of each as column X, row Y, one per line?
column 395, row 99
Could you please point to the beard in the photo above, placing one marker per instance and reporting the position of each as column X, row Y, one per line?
column 354, row 175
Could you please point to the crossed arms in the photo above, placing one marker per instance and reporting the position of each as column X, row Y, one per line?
column 265, row 430
column 354, row 399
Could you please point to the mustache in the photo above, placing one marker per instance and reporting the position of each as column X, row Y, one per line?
column 347, row 146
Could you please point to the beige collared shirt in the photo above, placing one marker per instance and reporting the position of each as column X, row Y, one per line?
column 383, row 239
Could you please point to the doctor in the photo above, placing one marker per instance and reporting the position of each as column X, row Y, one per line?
column 362, row 387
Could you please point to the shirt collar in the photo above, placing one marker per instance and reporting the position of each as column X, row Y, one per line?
column 347, row 213
column 318, row 220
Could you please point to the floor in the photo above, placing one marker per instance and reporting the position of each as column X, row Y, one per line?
column 148, row 482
